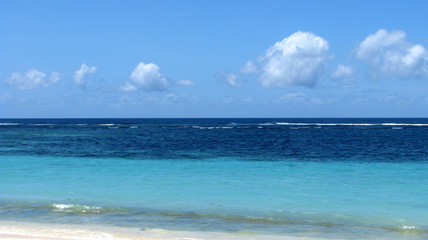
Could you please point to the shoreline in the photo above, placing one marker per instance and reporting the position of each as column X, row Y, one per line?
column 10, row 230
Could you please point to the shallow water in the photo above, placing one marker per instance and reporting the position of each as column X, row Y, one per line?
column 350, row 178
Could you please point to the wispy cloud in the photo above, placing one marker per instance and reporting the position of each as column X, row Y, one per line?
column 55, row 77
column 177, row 98
column 292, row 97
column 128, row 87
column 249, row 68
column 343, row 71
column 79, row 75
column 345, row 74
column 228, row 78
column 185, row 82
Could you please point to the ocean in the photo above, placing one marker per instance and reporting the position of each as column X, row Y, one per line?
column 317, row 178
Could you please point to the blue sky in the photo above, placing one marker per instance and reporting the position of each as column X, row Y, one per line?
column 213, row 59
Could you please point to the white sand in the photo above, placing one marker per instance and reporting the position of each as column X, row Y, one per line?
column 37, row 231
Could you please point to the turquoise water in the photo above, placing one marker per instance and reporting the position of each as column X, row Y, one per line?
column 235, row 182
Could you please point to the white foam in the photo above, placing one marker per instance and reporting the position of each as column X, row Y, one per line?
column 326, row 124
column 287, row 123
column 345, row 124
column 62, row 206
column 9, row 124
column 352, row 124
column 406, row 124
column 267, row 124
column 106, row 124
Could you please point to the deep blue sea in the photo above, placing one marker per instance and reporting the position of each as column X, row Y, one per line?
column 327, row 178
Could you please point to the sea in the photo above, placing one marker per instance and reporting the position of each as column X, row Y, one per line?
column 332, row 178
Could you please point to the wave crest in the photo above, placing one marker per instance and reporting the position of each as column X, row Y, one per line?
column 75, row 208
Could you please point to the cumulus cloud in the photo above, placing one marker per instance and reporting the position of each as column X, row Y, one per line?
column 79, row 75
column 228, row 78
column 296, row 60
column 185, row 83
column 32, row 79
column 389, row 54
column 147, row 77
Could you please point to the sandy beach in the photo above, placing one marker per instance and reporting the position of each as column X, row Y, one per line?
column 48, row 231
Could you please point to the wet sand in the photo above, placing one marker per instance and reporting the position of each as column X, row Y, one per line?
column 37, row 231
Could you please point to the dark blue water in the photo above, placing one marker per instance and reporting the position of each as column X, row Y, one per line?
column 252, row 139
column 335, row 178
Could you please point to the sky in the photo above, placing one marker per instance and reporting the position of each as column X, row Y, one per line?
column 155, row 59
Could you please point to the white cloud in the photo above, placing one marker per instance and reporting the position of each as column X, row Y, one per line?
column 292, row 97
column 148, row 77
column 296, row 60
column 249, row 68
column 232, row 78
column 343, row 71
column 79, row 75
column 185, row 83
column 389, row 54
column 55, row 77
column 345, row 75
column 128, row 87
column 376, row 42
column 229, row 78
column 32, row 79
column 173, row 98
